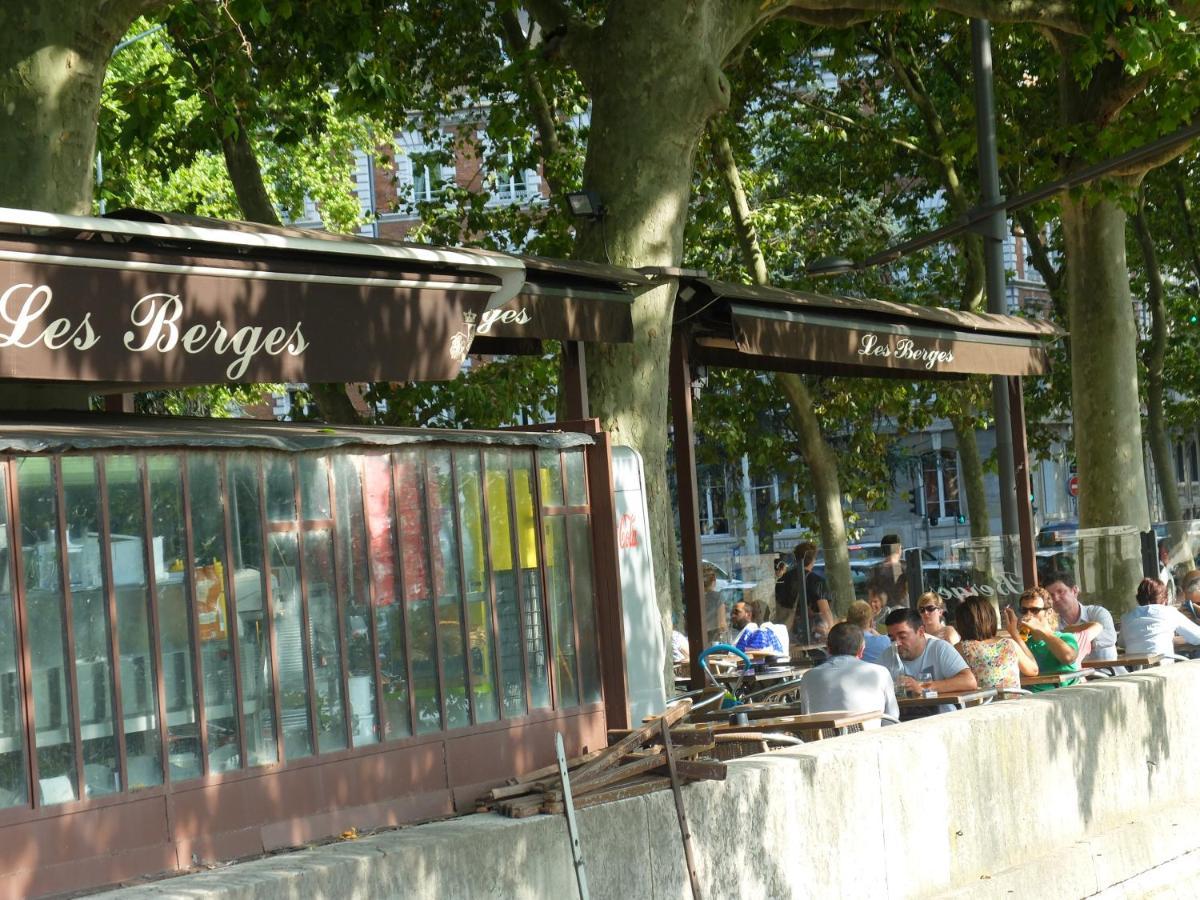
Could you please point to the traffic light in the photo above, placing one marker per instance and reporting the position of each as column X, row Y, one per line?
column 961, row 519
column 914, row 502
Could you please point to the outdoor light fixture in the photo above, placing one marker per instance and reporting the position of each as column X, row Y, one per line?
column 830, row 265
column 586, row 205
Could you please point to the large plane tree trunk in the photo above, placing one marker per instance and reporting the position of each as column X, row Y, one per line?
column 53, row 55
column 653, row 72
column 1104, row 390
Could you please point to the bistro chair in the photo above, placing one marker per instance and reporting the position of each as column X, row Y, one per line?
column 785, row 692
column 736, row 744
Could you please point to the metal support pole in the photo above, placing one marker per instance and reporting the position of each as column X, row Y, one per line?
column 689, row 502
column 1020, row 451
column 993, row 232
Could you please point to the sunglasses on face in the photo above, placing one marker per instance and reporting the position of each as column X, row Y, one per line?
column 928, row 609
column 1032, row 610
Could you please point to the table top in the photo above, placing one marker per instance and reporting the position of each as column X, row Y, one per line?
column 1142, row 661
column 961, row 699
column 757, row 676
column 1059, row 678
column 752, row 710
column 808, row 722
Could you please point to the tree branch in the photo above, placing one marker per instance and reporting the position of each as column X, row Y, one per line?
column 516, row 43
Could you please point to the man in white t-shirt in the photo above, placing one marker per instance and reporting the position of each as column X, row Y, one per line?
column 922, row 662
column 845, row 682
column 1074, row 616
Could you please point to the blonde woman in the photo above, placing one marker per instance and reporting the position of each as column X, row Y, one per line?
column 932, row 608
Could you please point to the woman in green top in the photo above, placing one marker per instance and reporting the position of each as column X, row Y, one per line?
column 1053, row 650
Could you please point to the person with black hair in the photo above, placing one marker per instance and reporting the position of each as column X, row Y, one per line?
column 921, row 662
column 845, row 682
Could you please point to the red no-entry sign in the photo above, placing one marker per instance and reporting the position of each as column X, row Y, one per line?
column 1073, row 486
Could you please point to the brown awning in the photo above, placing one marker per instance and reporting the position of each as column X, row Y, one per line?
column 170, row 300
column 776, row 330
column 564, row 300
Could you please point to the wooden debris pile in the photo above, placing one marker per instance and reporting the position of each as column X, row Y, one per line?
column 635, row 764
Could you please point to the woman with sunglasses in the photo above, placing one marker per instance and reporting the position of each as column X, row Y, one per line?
column 932, row 608
column 1055, row 651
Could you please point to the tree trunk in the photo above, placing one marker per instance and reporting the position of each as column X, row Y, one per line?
column 1154, row 358
column 655, row 82
column 1104, row 390
column 244, row 171
column 971, row 475
column 822, row 466
column 53, row 55
column 821, row 460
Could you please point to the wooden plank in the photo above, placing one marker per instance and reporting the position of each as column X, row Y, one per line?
column 546, row 771
column 682, row 733
column 621, row 792
column 613, row 753
column 701, row 771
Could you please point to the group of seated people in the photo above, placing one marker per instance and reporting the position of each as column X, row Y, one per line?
column 1050, row 632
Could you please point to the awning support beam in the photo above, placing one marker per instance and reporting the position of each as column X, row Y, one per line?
column 689, row 501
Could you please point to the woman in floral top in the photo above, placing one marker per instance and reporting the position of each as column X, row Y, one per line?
column 997, row 661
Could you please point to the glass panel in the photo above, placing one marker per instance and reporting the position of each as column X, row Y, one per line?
column 576, row 481
column 531, row 583
column 290, row 640
column 214, row 631
column 89, row 615
column 254, row 648
column 550, row 473
column 579, row 536
column 479, row 601
column 42, row 586
column 389, row 625
column 281, row 493
column 354, row 561
column 14, row 789
column 562, row 621
column 446, row 585
column 324, row 641
column 126, row 561
column 174, row 615
column 414, row 543
column 314, row 487
column 508, row 610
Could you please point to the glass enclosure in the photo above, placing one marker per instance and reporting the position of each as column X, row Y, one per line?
column 176, row 614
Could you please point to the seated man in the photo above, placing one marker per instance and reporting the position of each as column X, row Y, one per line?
column 747, row 616
column 921, row 662
column 1075, row 617
column 1054, row 649
column 845, row 682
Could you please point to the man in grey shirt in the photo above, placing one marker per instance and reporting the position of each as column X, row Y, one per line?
column 921, row 662
column 845, row 682
column 1073, row 616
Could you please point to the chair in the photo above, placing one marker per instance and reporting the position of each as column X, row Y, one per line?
column 784, row 692
column 736, row 744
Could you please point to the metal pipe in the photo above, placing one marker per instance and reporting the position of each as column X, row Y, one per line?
column 993, row 232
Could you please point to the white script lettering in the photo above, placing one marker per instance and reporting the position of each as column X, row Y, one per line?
column 505, row 316
column 21, row 316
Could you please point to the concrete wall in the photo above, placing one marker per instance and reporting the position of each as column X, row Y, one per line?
column 1059, row 795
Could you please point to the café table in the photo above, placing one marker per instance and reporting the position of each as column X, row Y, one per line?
column 1058, row 679
column 762, row 676
column 920, row 706
column 1131, row 663
column 810, row 726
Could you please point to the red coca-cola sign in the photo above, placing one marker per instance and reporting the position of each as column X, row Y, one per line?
column 627, row 535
